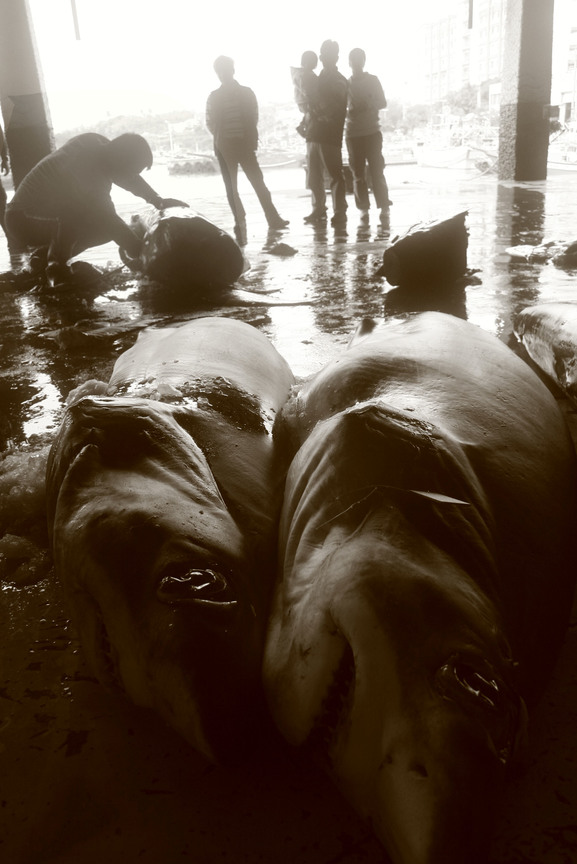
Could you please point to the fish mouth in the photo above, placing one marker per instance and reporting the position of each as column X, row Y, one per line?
column 206, row 588
column 334, row 708
column 481, row 692
column 209, row 587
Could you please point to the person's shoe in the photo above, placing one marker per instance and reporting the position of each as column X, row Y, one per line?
column 316, row 217
column 277, row 222
column 339, row 219
column 134, row 264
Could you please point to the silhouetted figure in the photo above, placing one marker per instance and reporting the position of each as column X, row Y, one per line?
column 63, row 205
column 5, row 168
column 363, row 135
column 232, row 118
column 324, row 137
column 305, row 83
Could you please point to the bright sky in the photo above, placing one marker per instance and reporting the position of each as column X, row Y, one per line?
column 135, row 56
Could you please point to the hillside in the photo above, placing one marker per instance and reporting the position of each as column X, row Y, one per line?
column 181, row 133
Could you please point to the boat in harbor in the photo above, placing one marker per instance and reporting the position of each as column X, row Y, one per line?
column 194, row 163
column 563, row 151
column 466, row 156
column 207, row 163
column 484, row 156
column 400, row 153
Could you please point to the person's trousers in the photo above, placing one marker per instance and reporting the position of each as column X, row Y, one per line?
column 321, row 158
column 229, row 159
column 64, row 236
column 367, row 150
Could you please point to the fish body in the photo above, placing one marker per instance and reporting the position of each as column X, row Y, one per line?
column 184, row 251
column 549, row 333
column 429, row 256
column 164, row 487
column 425, row 576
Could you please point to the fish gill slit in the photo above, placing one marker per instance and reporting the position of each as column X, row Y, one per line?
column 333, row 706
column 112, row 672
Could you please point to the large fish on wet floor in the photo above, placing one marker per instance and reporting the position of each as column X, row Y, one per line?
column 186, row 252
column 549, row 333
column 164, row 487
column 427, row 569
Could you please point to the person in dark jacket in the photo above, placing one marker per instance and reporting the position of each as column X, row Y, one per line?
column 364, row 137
column 63, row 205
column 232, row 118
column 324, row 136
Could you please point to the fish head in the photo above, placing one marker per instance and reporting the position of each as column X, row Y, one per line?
column 165, row 593
column 386, row 662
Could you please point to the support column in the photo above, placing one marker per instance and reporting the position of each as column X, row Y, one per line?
column 526, row 90
column 27, row 124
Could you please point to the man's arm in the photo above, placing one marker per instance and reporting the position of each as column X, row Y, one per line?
column 210, row 115
column 124, row 236
column 139, row 187
column 251, row 105
column 249, row 111
column 379, row 99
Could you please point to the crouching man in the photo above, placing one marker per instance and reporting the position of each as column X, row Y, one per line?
column 63, row 205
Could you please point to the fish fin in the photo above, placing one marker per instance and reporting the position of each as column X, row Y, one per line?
column 366, row 326
column 437, row 496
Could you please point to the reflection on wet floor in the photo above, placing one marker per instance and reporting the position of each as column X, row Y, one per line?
column 86, row 778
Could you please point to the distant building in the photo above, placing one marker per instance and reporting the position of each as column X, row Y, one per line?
column 564, row 82
column 464, row 47
column 488, row 46
column 445, row 53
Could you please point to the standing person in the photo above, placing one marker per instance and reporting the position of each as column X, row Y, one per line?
column 63, row 205
column 305, row 81
column 5, row 167
column 232, row 118
column 363, row 135
column 324, row 136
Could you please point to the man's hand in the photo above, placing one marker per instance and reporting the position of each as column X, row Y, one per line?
column 133, row 263
column 129, row 248
column 5, row 164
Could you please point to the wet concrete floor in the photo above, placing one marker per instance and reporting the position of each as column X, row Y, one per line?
column 86, row 778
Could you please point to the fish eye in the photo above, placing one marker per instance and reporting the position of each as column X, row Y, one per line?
column 193, row 585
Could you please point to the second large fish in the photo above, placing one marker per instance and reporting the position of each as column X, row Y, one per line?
column 164, row 488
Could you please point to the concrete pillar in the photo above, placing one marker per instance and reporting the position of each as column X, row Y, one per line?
column 25, row 112
column 526, row 90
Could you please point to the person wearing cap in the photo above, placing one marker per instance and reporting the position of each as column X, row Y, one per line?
column 64, row 206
